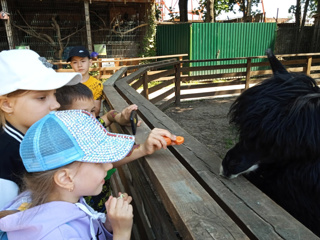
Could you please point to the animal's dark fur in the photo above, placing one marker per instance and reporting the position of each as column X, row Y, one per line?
column 278, row 122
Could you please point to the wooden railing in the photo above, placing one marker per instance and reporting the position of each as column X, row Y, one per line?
column 177, row 192
column 170, row 76
column 106, row 72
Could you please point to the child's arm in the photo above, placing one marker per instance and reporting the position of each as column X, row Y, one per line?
column 97, row 104
column 122, row 118
column 155, row 141
column 120, row 215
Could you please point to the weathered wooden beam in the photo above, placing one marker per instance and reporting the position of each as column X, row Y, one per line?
column 7, row 25
column 88, row 27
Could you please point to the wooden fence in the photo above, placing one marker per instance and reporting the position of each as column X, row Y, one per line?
column 107, row 72
column 177, row 192
column 170, row 75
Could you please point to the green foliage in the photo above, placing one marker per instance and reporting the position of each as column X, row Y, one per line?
column 223, row 6
column 158, row 12
column 94, row 73
column 312, row 8
column 173, row 15
column 148, row 45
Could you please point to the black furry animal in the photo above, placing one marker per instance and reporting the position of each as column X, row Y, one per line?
column 278, row 123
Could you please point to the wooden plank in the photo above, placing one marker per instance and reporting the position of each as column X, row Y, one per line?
column 177, row 83
column 123, row 181
column 105, row 68
column 137, row 59
column 213, row 76
column 160, row 86
column 64, row 70
column 88, row 27
column 193, row 212
column 315, row 68
column 257, row 215
column 210, row 85
column 7, row 24
column 315, row 75
column 166, row 103
column 317, row 60
column 137, row 84
column 213, row 67
column 309, row 62
column 248, row 73
column 158, row 75
column 261, row 72
column 210, row 94
column 116, row 76
column 145, row 85
column 162, row 96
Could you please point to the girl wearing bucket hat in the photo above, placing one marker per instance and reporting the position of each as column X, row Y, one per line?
column 27, row 93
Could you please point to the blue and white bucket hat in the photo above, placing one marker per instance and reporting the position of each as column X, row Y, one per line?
column 63, row 137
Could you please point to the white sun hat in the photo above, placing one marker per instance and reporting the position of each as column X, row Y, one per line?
column 23, row 69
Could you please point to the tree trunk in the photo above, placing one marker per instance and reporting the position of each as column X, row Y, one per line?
column 249, row 4
column 297, row 24
column 302, row 25
column 183, row 6
column 210, row 11
column 316, row 31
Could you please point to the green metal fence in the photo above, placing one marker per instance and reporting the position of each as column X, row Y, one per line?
column 173, row 39
column 230, row 40
column 216, row 41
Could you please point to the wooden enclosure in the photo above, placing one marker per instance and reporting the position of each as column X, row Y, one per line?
column 178, row 192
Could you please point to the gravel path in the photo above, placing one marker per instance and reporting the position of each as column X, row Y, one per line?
column 207, row 121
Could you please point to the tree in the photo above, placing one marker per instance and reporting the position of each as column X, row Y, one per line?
column 245, row 6
column 220, row 6
column 210, row 11
column 315, row 45
column 308, row 6
column 183, row 7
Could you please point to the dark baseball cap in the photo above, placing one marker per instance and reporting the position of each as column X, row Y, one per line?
column 78, row 51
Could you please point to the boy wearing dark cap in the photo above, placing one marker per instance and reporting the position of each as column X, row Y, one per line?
column 80, row 61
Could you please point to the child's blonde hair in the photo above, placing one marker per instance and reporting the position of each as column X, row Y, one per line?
column 42, row 184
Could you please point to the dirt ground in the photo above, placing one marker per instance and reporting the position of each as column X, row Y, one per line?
column 207, row 121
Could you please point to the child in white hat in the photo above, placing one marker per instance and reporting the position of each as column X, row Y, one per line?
column 27, row 93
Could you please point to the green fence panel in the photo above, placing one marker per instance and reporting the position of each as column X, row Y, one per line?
column 230, row 40
column 173, row 39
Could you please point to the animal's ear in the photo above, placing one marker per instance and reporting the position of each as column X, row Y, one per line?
column 276, row 66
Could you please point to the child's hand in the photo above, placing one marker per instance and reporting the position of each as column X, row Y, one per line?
column 120, row 217
column 125, row 197
column 124, row 117
column 156, row 141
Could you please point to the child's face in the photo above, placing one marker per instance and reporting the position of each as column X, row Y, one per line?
column 24, row 110
column 89, row 178
column 84, row 104
column 81, row 65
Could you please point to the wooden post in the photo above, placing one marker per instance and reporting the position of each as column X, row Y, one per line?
column 7, row 24
column 145, row 85
column 177, row 83
column 88, row 28
column 248, row 73
column 181, row 65
column 309, row 63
